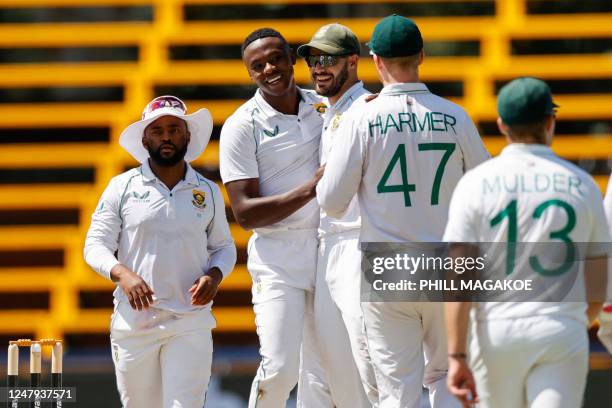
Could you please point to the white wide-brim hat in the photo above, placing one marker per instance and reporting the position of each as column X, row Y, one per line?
column 199, row 123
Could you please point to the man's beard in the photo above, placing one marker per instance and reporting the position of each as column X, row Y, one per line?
column 337, row 84
column 177, row 157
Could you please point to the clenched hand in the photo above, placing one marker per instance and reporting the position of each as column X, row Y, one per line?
column 460, row 382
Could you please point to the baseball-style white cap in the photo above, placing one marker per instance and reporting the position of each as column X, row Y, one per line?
column 200, row 125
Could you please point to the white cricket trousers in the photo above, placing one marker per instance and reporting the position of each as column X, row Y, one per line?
column 283, row 268
column 339, row 322
column 535, row 362
column 162, row 360
column 407, row 344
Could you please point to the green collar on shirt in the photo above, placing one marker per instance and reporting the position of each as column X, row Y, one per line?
column 533, row 148
column 404, row 88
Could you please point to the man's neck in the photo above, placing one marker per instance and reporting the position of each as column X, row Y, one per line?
column 288, row 103
column 169, row 175
column 528, row 141
column 402, row 77
column 347, row 85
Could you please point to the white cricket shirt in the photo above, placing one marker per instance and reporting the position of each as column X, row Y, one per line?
column 280, row 150
column 607, row 201
column 402, row 153
column 168, row 237
column 608, row 209
column 353, row 97
column 522, row 180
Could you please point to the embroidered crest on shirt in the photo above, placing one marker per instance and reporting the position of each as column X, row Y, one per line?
column 272, row 133
column 320, row 107
column 198, row 199
column 335, row 121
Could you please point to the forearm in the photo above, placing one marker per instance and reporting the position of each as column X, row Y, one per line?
column 118, row 271
column 100, row 258
column 457, row 315
column 596, row 283
column 593, row 310
column 102, row 239
column 259, row 212
column 223, row 258
column 215, row 273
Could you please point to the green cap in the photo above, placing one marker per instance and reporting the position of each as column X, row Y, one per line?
column 332, row 39
column 525, row 100
column 396, row 36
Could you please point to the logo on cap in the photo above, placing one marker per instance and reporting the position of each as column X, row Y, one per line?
column 160, row 102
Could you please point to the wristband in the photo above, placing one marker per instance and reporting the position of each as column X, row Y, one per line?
column 458, row 356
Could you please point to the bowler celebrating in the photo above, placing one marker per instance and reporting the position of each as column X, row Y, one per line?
column 269, row 157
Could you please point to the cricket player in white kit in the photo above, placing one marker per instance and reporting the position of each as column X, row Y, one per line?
column 605, row 317
column 166, row 224
column 269, row 159
column 332, row 56
column 526, row 354
column 402, row 154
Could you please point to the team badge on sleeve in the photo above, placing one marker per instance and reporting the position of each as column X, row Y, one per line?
column 198, row 199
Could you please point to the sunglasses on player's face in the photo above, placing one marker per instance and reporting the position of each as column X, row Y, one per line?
column 324, row 61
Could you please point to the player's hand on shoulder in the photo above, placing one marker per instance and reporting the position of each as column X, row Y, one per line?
column 139, row 294
column 371, row 97
column 205, row 288
column 460, row 382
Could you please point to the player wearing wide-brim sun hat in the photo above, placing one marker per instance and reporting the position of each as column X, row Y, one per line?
column 199, row 124
column 160, row 233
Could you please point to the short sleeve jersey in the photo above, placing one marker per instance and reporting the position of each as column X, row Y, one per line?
column 280, row 150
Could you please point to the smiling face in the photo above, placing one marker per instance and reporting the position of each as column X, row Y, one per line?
column 334, row 80
column 269, row 62
column 166, row 139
